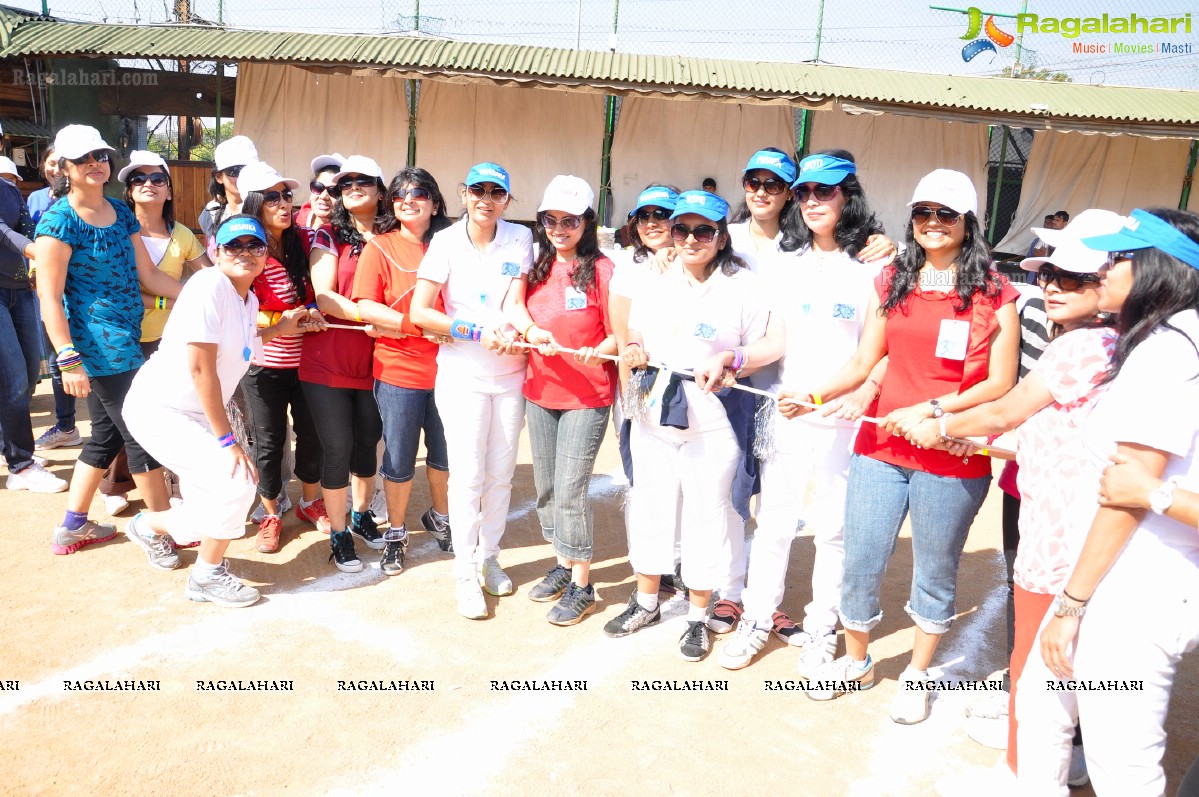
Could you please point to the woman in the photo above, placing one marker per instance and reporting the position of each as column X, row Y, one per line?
column 177, row 408
column 948, row 322
column 318, row 210
column 92, row 270
column 229, row 158
column 405, row 361
column 1147, row 415
column 170, row 246
column 336, row 365
column 472, row 265
column 565, row 303
column 708, row 293
column 272, row 385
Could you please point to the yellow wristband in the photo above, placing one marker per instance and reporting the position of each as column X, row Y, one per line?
column 525, row 334
column 816, row 399
column 357, row 313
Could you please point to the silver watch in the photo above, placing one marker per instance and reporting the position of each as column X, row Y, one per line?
column 1063, row 609
column 1161, row 498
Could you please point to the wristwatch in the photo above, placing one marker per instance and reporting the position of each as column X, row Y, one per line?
column 1161, row 498
column 1063, row 609
column 938, row 410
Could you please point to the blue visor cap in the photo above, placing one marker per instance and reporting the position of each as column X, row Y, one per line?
column 489, row 173
column 775, row 162
column 658, row 196
column 1144, row 230
column 706, row 204
column 824, row 170
column 232, row 230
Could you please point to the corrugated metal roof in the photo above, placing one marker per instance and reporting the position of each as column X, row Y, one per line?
column 1025, row 103
column 21, row 128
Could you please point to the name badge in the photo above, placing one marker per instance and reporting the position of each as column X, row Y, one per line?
column 953, row 340
column 510, row 269
column 575, row 299
column 845, row 311
column 705, row 331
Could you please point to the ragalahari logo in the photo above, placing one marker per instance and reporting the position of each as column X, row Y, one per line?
column 981, row 44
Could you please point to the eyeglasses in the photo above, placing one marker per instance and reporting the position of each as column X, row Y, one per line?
column 97, row 155
column 704, row 233
column 1116, row 257
column 232, row 171
column 568, row 223
column 823, row 193
column 157, row 179
column 773, row 185
column 947, row 216
column 1067, row 281
column 496, row 195
column 644, row 215
column 274, row 197
column 415, row 193
column 362, row 181
column 317, row 187
column 252, row 248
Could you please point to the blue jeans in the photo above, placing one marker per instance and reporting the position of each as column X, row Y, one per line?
column 20, row 361
column 406, row 412
column 565, row 444
column 877, row 500
column 64, row 403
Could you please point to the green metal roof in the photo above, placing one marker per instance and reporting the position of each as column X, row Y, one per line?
column 992, row 100
column 21, row 128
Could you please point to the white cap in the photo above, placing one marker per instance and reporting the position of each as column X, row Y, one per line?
column 236, row 151
column 358, row 164
column 322, row 162
column 949, row 188
column 8, row 167
column 139, row 158
column 75, row 141
column 567, row 193
column 260, row 176
column 1069, row 253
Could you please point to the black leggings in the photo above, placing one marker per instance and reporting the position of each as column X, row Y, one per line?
column 269, row 392
column 109, row 433
column 349, row 426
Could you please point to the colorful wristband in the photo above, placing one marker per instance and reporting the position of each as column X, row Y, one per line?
column 465, row 330
column 160, row 302
column 815, row 397
column 738, row 360
column 227, row 441
column 357, row 313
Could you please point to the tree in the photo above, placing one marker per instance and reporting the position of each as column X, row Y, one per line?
column 164, row 141
column 1032, row 73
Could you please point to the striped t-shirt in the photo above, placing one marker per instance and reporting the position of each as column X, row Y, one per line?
column 284, row 351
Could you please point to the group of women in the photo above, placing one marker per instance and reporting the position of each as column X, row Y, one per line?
column 388, row 319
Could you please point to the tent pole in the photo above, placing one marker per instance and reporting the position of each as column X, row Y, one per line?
column 998, row 185
column 1187, row 181
column 412, row 89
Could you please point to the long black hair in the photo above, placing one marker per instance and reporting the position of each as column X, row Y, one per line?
column 344, row 231
column 1162, row 285
column 419, row 178
column 974, row 271
column 790, row 240
column 857, row 223
column 168, row 207
column 641, row 252
column 294, row 254
column 588, row 251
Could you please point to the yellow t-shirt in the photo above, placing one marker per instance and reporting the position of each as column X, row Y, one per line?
column 182, row 247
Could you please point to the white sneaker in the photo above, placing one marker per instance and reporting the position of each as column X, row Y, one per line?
column 1078, row 775
column 815, row 652
column 746, row 642
column 471, row 603
column 378, row 508
column 116, row 503
column 36, row 479
column 910, row 704
column 494, row 579
column 988, row 731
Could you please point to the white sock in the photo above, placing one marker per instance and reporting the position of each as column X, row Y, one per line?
column 861, row 665
column 203, row 569
column 647, row 601
column 912, row 674
column 307, row 504
column 697, row 614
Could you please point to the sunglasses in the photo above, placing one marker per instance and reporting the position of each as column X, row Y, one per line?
column 568, row 223
column 232, row 171
column 317, row 187
column 947, row 216
column 274, row 197
column 1116, row 257
column 253, row 248
column 773, row 185
column 823, row 193
column 496, row 195
column 362, row 181
column 97, row 155
column 157, row 179
column 704, row 233
column 1066, row 280
column 644, row 215
column 416, row 193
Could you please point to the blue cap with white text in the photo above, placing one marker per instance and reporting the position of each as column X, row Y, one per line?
column 658, row 196
column 489, row 173
column 1144, row 230
column 824, row 170
column 236, row 228
column 771, row 161
column 706, row 204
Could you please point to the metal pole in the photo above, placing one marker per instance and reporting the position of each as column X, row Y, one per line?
column 998, row 186
column 1185, row 199
column 578, row 24
column 604, row 209
column 220, row 68
column 412, row 88
column 805, row 120
column 416, row 18
column 819, row 29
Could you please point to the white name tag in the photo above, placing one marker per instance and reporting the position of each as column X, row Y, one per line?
column 953, row 340
column 575, row 299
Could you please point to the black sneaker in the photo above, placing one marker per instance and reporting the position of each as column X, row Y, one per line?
column 673, row 582
column 365, row 528
column 633, row 618
column 695, row 642
column 576, row 603
column 552, row 586
column 441, row 532
column 343, row 552
column 392, row 563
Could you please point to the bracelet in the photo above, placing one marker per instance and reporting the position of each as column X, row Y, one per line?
column 941, row 425
column 68, row 347
column 1076, row 600
column 160, row 302
column 68, row 359
column 357, row 313
column 738, row 360
column 815, row 397
column 877, row 387
column 525, row 333
column 227, row 440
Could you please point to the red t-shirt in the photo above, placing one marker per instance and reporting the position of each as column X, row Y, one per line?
column 575, row 319
column 387, row 275
column 915, row 373
column 339, row 357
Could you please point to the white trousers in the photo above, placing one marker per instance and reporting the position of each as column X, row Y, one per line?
column 482, row 431
column 814, row 460
column 1143, row 618
column 682, row 482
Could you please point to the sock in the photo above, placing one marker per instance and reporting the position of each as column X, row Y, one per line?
column 863, row 664
column 356, row 517
column 74, row 520
column 648, row 602
column 307, row 504
column 910, row 673
column 203, row 569
column 697, row 614
column 395, row 534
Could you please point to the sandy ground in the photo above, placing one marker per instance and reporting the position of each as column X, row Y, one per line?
column 102, row 613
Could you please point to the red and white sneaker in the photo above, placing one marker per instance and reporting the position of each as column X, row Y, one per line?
column 316, row 515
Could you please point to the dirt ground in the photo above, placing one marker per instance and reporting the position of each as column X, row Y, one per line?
column 103, row 614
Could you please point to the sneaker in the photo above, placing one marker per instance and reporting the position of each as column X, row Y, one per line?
column 343, row 552
column 471, row 603
column 815, row 652
column 725, row 615
column 116, row 503
column 494, row 579
column 367, row 531
column 575, row 604
column 36, row 479
column 673, row 582
column 221, row 588
column 57, row 438
column 840, row 677
column 441, row 532
column 158, row 547
column 269, row 529
column 1078, row 775
column 395, row 547
column 284, row 505
column 633, row 618
column 378, row 508
column 70, row 540
column 787, row 631
column 910, row 705
column 990, row 732
column 746, row 642
column 992, row 705
column 695, row 642
column 552, row 586
column 315, row 514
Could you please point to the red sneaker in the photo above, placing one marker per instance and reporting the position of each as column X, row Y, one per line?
column 267, row 540
column 316, row 515
column 725, row 615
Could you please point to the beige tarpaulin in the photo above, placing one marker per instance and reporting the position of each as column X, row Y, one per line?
column 1073, row 172
column 894, row 152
